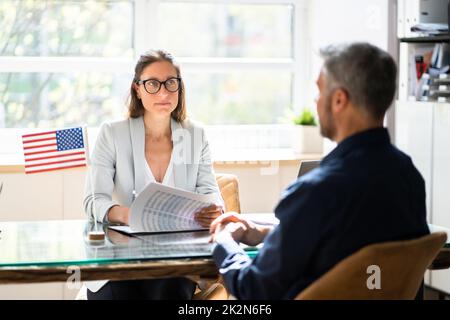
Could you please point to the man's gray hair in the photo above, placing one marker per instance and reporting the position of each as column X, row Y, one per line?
column 367, row 73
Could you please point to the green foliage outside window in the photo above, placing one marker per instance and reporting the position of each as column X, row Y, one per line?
column 306, row 118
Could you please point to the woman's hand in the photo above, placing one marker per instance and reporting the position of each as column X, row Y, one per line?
column 207, row 215
column 119, row 214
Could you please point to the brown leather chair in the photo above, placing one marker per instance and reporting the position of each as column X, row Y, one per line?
column 228, row 185
column 402, row 266
column 215, row 291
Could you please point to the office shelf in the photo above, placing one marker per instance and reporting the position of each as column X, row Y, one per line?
column 429, row 39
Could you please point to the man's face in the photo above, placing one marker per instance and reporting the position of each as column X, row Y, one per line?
column 323, row 102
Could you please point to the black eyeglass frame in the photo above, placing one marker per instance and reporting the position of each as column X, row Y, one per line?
column 139, row 82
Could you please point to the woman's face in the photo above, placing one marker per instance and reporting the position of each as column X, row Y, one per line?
column 164, row 101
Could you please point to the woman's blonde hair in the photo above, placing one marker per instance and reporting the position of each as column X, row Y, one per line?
column 135, row 106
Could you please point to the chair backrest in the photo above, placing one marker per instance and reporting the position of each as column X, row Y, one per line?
column 307, row 166
column 402, row 265
column 216, row 291
column 229, row 188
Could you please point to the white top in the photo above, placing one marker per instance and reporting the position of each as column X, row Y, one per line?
column 168, row 179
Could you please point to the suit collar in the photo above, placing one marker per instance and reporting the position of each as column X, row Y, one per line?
column 179, row 140
column 366, row 139
column 137, row 136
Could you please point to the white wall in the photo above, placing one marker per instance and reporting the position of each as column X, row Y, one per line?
column 332, row 21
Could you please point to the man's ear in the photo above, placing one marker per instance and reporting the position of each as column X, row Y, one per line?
column 339, row 100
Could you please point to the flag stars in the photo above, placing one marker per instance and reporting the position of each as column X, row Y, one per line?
column 69, row 139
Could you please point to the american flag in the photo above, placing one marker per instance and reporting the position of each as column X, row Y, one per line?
column 54, row 150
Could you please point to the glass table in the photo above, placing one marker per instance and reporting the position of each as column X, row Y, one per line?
column 44, row 251
column 48, row 251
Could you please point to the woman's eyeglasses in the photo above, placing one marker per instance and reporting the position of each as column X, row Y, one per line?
column 152, row 86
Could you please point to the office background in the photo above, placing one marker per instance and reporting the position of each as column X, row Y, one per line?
column 248, row 66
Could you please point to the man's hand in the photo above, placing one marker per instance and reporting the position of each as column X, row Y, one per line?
column 230, row 231
column 207, row 215
column 232, row 224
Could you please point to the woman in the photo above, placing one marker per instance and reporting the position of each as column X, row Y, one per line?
column 155, row 144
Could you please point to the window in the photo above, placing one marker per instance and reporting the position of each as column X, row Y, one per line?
column 66, row 28
column 240, row 58
column 48, row 100
column 252, row 97
column 66, row 62
column 226, row 30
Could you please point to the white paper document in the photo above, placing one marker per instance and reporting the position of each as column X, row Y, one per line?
column 159, row 208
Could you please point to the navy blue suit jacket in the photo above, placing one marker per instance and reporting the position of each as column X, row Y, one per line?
column 365, row 191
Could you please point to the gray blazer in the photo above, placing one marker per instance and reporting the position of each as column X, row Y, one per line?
column 118, row 162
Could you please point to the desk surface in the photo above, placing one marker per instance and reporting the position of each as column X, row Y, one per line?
column 62, row 243
column 47, row 251
column 42, row 251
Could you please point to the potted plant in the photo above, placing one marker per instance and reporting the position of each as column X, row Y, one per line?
column 307, row 137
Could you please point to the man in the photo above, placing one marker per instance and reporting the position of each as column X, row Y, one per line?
column 365, row 191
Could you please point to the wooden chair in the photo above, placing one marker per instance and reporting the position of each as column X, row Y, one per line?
column 402, row 266
column 229, row 189
column 228, row 185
